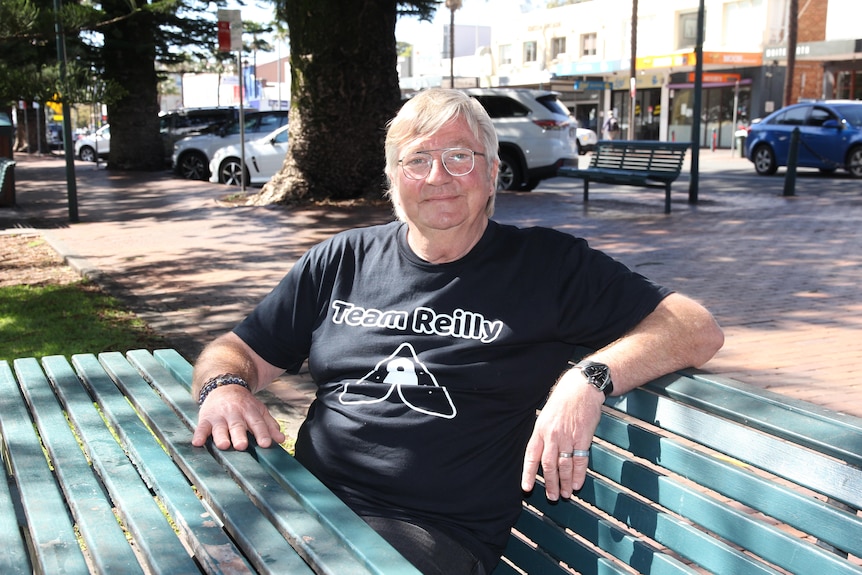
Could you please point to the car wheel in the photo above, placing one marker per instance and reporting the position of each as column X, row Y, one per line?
column 854, row 162
column 764, row 160
column 229, row 172
column 87, row 154
column 193, row 166
column 509, row 175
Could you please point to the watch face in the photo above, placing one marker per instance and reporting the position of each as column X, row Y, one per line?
column 598, row 374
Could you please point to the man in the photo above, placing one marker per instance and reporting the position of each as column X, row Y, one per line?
column 434, row 339
column 611, row 127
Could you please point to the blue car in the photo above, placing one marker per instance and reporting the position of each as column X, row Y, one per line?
column 830, row 137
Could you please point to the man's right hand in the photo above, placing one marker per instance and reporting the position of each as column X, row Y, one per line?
column 229, row 413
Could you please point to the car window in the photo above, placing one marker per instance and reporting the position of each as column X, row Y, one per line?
column 269, row 122
column 852, row 113
column 503, row 107
column 793, row 116
column 551, row 102
column 281, row 137
column 819, row 115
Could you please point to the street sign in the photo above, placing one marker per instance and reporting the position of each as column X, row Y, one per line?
column 591, row 85
column 229, row 30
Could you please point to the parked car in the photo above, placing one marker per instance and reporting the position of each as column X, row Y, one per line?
column 587, row 140
column 192, row 154
column 263, row 158
column 536, row 132
column 178, row 124
column 97, row 144
column 830, row 137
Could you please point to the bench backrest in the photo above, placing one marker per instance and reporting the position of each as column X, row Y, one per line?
column 681, row 480
column 641, row 156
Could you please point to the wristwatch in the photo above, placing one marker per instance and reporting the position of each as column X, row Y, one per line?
column 598, row 375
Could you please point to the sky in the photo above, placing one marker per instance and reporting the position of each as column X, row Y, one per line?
column 423, row 35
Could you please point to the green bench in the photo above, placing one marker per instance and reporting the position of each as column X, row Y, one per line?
column 7, row 182
column 101, row 477
column 689, row 474
column 694, row 474
column 633, row 163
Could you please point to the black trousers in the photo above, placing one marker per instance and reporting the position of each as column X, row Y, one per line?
column 428, row 549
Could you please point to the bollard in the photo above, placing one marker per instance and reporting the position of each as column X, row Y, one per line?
column 714, row 139
column 792, row 154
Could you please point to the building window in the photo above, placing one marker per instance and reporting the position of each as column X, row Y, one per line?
column 688, row 30
column 530, row 51
column 558, row 46
column 505, row 54
column 588, row 44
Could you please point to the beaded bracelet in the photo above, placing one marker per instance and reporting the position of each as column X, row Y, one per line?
column 218, row 381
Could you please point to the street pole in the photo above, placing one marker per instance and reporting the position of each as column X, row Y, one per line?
column 694, row 180
column 68, row 145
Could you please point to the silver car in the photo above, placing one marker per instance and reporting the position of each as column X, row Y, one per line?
column 263, row 158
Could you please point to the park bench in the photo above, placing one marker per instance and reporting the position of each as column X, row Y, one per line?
column 7, row 182
column 120, row 489
column 693, row 473
column 689, row 474
column 633, row 163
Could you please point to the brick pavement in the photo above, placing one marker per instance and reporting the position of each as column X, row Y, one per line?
column 781, row 274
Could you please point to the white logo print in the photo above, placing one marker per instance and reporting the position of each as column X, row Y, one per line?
column 417, row 387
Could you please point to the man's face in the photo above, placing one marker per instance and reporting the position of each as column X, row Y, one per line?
column 441, row 201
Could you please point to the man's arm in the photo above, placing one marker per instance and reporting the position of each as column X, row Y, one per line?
column 679, row 333
column 229, row 412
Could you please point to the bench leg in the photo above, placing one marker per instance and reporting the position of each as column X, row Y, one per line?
column 667, row 198
column 586, row 190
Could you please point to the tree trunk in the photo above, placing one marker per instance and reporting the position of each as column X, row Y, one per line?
column 129, row 54
column 344, row 89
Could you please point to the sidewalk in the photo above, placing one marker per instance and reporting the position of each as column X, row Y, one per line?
column 781, row 274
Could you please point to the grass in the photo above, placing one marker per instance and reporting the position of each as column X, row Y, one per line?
column 67, row 319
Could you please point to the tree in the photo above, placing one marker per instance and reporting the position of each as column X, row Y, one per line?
column 344, row 89
column 452, row 5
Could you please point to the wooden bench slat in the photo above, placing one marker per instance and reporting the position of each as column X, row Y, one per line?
column 630, row 549
column 714, row 515
column 787, row 460
column 14, row 558
column 361, row 541
column 131, row 492
column 728, row 478
column 802, row 422
column 91, row 509
column 50, row 531
column 260, row 542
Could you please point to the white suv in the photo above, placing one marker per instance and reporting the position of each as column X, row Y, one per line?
column 536, row 133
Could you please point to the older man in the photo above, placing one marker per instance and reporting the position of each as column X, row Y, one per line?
column 434, row 339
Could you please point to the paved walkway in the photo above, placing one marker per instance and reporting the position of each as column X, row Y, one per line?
column 781, row 274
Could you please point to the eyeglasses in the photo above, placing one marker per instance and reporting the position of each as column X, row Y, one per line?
column 456, row 161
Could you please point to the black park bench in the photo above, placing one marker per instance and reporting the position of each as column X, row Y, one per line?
column 689, row 474
column 633, row 163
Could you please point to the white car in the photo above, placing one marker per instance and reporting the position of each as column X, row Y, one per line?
column 537, row 134
column 95, row 145
column 263, row 159
column 587, row 140
column 192, row 154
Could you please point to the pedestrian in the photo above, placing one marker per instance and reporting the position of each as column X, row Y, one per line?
column 611, row 127
column 435, row 338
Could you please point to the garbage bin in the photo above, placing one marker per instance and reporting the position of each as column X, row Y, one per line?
column 7, row 136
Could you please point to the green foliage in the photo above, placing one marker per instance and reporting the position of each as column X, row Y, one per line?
column 66, row 319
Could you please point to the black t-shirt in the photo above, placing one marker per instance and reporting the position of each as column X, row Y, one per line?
column 429, row 375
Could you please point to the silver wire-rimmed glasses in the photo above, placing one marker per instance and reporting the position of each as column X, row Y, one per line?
column 456, row 161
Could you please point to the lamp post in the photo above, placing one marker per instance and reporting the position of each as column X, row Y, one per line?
column 452, row 5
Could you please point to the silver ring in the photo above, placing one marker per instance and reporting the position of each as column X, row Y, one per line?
column 565, row 455
column 580, row 453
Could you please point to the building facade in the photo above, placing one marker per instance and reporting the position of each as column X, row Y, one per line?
column 584, row 51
